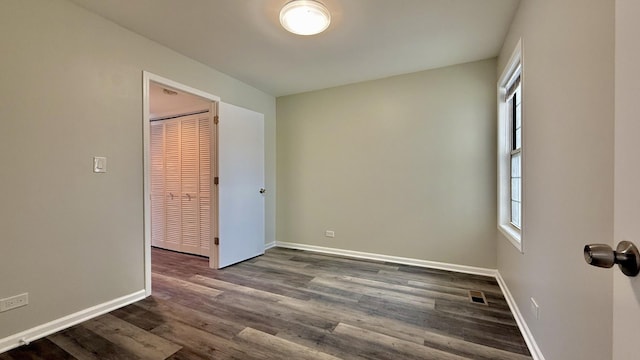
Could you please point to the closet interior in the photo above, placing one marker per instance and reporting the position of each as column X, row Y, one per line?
column 182, row 157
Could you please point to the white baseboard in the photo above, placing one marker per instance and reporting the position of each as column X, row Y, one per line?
column 522, row 324
column 49, row 328
column 270, row 245
column 395, row 259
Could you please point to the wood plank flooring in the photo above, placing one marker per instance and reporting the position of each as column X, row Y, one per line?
column 290, row 304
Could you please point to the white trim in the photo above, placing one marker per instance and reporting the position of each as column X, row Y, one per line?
column 512, row 235
column 522, row 324
column 40, row 331
column 148, row 77
column 514, row 61
column 515, row 236
column 395, row 259
column 270, row 245
column 146, row 188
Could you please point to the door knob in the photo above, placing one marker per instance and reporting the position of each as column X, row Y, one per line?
column 626, row 256
column 263, row 190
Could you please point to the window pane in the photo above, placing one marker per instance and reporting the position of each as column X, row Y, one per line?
column 518, row 139
column 518, row 116
column 515, row 165
column 515, row 213
column 515, row 189
column 510, row 112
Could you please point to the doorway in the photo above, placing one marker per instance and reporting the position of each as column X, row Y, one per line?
column 236, row 174
column 183, row 167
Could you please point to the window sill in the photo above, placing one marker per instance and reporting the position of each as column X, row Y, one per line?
column 513, row 235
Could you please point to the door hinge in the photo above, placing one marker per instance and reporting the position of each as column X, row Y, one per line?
column 216, row 241
column 216, row 120
column 216, row 180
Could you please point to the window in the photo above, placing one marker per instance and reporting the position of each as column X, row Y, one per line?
column 510, row 150
column 515, row 122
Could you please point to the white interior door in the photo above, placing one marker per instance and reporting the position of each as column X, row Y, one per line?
column 626, row 290
column 241, row 176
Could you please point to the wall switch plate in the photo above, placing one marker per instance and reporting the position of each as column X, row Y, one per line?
column 13, row 302
column 535, row 309
column 329, row 233
column 99, row 164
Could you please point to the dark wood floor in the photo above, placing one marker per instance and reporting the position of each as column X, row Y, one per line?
column 294, row 305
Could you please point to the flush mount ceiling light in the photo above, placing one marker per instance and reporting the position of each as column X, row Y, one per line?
column 305, row 17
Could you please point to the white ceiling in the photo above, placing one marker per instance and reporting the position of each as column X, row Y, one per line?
column 367, row 39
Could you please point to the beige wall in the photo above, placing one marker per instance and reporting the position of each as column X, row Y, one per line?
column 403, row 166
column 70, row 89
column 568, row 109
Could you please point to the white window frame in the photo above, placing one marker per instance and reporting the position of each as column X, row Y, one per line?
column 514, row 67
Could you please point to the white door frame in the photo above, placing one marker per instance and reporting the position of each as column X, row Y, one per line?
column 147, row 78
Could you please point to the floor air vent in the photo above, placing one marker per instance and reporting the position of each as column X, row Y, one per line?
column 477, row 297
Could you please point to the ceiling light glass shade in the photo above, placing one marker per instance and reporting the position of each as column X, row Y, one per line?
column 305, row 17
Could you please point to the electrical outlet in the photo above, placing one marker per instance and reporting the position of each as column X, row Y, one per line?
column 535, row 309
column 329, row 233
column 14, row 302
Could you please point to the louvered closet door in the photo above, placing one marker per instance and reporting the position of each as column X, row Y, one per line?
column 181, row 166
column 189, row 145
column 173, row 188
column 204, row 135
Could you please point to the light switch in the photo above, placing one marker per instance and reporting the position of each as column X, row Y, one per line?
column 99, row 164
